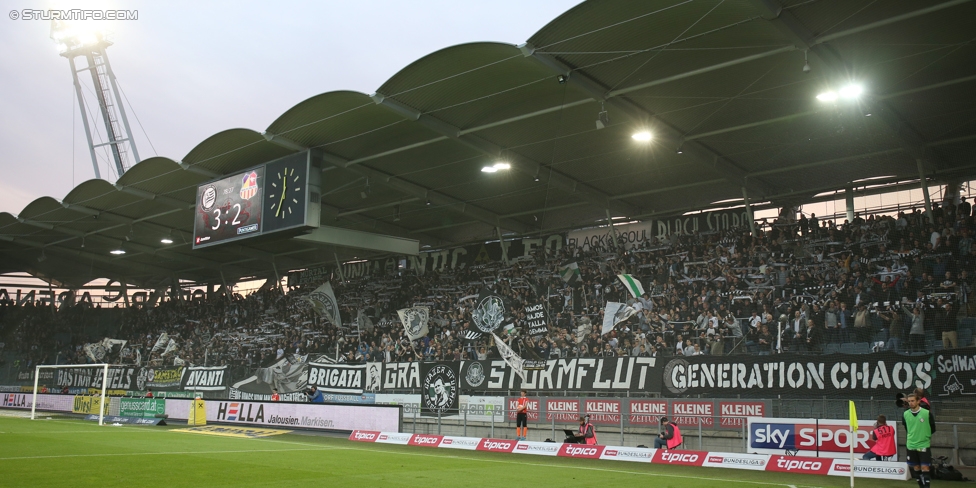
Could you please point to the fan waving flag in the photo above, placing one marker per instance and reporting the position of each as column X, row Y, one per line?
column 570, row 273
column 511, row 357
column 633, row 284
column 414, row 321
column 616, row 313
column 324, row 303
column 488, row 313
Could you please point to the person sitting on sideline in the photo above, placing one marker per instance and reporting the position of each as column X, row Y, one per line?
column 670, row 436
column 883, row 436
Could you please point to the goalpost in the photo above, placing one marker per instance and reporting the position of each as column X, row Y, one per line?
column 104, row 368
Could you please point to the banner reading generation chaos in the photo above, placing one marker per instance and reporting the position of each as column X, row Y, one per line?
column 798, row 375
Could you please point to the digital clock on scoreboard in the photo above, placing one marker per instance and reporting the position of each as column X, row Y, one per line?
column 229, row 209
column 281, row 195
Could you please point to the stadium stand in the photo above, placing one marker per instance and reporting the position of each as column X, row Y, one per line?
column 701, row 289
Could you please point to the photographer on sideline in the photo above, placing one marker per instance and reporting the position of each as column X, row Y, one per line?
column 883, row 436
column 314, row 395
column 670, row 436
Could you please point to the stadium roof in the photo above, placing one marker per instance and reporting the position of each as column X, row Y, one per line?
column 721, row 86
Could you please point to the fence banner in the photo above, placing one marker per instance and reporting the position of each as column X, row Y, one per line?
column 440, row 389
column 337, row 378
column 119, row 378
column 955, row 373
column 582, row 374
column 163, row 378
column 795, row 375
column 198, row 378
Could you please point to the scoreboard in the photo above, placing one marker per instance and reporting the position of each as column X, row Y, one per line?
column 277, row 196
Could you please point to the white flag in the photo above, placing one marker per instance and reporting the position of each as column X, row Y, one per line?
column 324, row 303
column 160, row 343
column 170, row 347
column 510, row 357
column 616, row 313
column 414, row 321
column 632, row 284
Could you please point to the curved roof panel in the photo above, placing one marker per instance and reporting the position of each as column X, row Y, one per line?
column 722, row 80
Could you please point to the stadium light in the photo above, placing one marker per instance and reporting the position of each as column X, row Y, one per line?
column 117, row 252
column 642, row 136
column 851, row 91
column 827, row 96
column 70, row 36
column 496, row 167
column 166, row 240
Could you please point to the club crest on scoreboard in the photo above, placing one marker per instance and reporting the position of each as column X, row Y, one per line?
column 249, row 185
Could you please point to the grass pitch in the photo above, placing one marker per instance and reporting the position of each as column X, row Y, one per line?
column 69, row 452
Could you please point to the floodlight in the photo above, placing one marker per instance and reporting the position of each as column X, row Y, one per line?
column 642, row 136
column 489, row 169
column 117, row 252
column 851, row 91
column 502, row 165
column 166, row 240
column 827, row 96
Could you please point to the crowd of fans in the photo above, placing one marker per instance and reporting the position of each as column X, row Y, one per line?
column 804, row 285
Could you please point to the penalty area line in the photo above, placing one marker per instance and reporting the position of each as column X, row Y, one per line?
column 585, row 468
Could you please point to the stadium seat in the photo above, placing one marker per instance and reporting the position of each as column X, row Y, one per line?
column 965, row 337
column 862, row 348
column 847, row 348
column 831, row 348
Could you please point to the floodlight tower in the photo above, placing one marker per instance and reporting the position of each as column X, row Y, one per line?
column 74, row 43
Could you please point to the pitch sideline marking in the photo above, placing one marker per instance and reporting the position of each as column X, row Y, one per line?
column 159, row 453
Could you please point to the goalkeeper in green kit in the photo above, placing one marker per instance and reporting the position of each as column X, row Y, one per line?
column 919, row 425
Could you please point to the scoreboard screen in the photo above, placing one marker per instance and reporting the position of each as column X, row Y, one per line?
column 281, row 195
column 229, row 209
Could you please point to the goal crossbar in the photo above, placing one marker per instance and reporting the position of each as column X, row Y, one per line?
column 104, row 367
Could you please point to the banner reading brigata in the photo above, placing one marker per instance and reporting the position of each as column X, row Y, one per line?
column 796, row 375
column 337, row 378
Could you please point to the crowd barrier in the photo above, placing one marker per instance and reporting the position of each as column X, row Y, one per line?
column 755, row 462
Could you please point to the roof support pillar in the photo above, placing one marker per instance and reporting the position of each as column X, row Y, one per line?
column 923, row 182
column 752, row 218
column 849, row 198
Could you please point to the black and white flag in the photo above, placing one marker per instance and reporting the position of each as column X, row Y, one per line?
column 488, row 313
column 511, row 358
column 324, row 303
column 616, row 313
column 414, row 320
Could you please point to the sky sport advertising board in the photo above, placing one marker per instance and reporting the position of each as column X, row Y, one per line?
column 314, row 416
column 809, row 437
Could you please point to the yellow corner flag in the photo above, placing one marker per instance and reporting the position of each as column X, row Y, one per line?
column 853, row 415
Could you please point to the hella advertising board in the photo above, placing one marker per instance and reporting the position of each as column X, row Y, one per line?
column 809, row 437
column 311, row 416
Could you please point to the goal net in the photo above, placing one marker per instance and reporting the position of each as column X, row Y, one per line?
column 97, row 374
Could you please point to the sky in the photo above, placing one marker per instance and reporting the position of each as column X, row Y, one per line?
column 192, row 69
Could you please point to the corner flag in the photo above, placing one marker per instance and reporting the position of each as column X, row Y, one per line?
column 853, row 415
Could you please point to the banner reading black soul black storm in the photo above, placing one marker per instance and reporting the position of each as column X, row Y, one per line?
column 583, row 374
column 797, row 375
column 337, row 378
column 955, row 373
column 439, row 389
